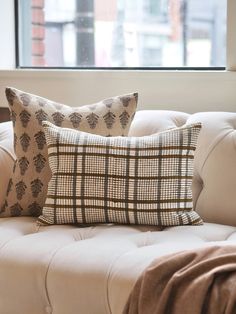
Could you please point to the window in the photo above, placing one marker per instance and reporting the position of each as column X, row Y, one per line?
column 122, row 33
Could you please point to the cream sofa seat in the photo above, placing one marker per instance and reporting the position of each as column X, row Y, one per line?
column 68, row 270
column 91, row 270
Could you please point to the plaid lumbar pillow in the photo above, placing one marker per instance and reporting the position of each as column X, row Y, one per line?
column 27, row 187
column 137, row 180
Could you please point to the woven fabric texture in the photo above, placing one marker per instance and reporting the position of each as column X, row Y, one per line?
column 27, row 188
column 133, row 180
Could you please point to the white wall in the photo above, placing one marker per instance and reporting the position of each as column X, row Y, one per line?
column 7, row 34
column 174, row 90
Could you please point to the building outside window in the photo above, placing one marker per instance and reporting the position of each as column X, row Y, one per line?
column 122, row 33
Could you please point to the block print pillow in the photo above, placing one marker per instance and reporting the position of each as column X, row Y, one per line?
column 27, row 187
column 125, row 180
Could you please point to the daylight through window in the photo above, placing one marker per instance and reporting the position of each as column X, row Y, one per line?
column 122, row 33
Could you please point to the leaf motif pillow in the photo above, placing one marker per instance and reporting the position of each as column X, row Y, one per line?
column 27, row 188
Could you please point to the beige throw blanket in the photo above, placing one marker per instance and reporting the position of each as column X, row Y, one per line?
column 190, row 282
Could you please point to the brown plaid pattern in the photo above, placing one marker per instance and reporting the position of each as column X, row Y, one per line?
column 133, row 180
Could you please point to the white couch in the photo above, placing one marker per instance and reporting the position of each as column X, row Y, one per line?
column 70, row 270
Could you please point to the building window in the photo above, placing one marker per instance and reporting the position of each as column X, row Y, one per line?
column 120, row 33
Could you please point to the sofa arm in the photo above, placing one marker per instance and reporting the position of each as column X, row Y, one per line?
column 7, row 157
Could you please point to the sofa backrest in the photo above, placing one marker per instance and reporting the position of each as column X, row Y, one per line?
column 7, row 157
column 214, row 183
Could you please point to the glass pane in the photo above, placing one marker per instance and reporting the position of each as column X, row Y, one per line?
column 122, row 33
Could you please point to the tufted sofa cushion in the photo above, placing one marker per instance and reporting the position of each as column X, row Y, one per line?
column 214, row 183
column 66, row 269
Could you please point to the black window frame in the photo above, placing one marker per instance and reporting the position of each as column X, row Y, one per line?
column 18, row 66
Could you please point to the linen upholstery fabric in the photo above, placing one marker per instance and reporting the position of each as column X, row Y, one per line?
column 7, row 157
column 63, row 269
column 136, row 180
column 67, row 269
column 27, row 187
